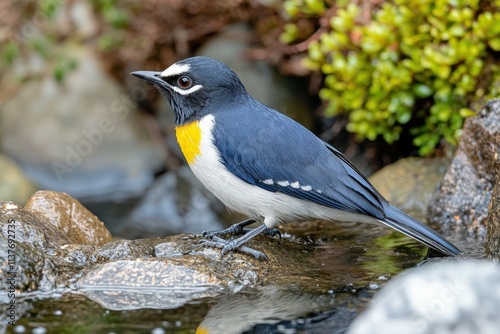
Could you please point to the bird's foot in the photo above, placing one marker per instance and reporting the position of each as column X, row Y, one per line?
column 234, row 229
column 238, row 244
column 239, row 229
column 271, row 232
column 232, row 245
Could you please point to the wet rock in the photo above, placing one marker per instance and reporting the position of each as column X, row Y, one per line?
column 176, row 203
column 493, row 224
column 464, row 194
column 147, row 283
column 167, row 249
column 410, row 183
column 14, row 186
column 31, row 228
column 82, row 136
column 69, row 217
column 26, row 241
column 174, row 270
column 447, row 297
column 45, row 243
column 180, row 270
column 183, row 251
column 126, row 249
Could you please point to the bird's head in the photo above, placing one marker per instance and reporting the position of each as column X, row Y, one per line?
column 196, row 86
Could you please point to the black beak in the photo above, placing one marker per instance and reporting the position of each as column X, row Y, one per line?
column 149, row 76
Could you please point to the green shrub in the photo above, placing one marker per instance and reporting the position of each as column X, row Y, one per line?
column 418, row 63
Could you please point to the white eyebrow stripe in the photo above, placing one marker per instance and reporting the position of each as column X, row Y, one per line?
column 175, row 69
column 186, row 92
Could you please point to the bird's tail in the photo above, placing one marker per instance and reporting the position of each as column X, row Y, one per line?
column 411, row 227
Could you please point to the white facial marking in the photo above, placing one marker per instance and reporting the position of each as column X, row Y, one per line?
column 284, row 183
column 268, row 181
column 295, row 185
column 306, row 188
column 187, row 91
column 178, row 69
column 175, row 69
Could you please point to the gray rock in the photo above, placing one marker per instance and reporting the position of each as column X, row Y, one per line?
column 82, row 136
column 493, row 224
column 125, row 249
column 465, row 192
column 25, row 241
column 14, row 185
column 38, row 243
column 167, row 249
column 409, row 183
column 447, row 297
column 147, row 283
column 176, row 203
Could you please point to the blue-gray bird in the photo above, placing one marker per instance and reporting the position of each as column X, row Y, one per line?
column 265, row 165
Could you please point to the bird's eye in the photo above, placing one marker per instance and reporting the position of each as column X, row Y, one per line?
column 184, row 82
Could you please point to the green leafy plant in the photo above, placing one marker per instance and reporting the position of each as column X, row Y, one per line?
column 63, row 66
column 402, row 64
column 116, row 18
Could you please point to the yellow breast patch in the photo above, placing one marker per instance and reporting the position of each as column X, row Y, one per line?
column 189, row 138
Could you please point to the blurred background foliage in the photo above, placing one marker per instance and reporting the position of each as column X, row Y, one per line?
column 21, row 38
column 403, row 65
column 392, row 69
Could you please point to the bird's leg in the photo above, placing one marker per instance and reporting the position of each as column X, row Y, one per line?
column 238, row 244
column 269, row 231
column 234, row 229
column 239, row 228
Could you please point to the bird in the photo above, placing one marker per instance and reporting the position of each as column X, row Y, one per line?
column 264, row 165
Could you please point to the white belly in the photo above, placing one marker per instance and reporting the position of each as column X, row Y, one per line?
column 250, row 200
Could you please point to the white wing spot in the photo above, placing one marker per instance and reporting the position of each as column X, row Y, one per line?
column 268, row 181
column 306, row 188
column 176, row 69
column 319, row 191
column 284, row 183
column 295, row 185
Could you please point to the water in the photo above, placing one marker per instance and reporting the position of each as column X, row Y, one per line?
column 345, row 266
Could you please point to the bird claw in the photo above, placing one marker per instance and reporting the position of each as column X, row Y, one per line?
column 273, row 232
column 236, row 230
column 228, row 246
column 210, row 234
